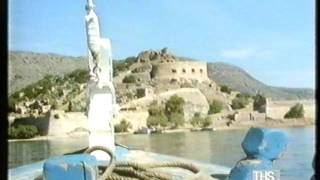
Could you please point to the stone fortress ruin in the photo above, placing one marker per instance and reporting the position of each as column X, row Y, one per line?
column 182, row 70
column 156, row 72
column 169, row 67
column 158, row 75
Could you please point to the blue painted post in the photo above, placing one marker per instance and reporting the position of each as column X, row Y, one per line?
column 82, row 167
column 262, row 147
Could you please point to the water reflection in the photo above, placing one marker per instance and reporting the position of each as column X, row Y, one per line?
column 203, row 146
column 21, row 153
column 25, row 152
column 219, row 147
column 161, row 144
column 297, row 159
column 224, row 147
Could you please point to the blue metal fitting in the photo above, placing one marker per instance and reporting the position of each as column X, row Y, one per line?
column 264, row 143
column 82, row 167
column 262, row 146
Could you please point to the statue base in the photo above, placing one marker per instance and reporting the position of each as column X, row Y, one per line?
column 100, row 117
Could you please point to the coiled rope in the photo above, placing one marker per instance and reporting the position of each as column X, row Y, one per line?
column 128, row 170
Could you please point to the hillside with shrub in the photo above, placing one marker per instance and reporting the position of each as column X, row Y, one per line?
column 64, row 92
column 163, row 103
column 28, row 67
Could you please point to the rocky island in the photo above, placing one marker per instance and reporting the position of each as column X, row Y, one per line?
column 156, row 90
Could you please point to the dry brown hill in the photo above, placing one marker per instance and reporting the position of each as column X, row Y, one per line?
column 28, row 67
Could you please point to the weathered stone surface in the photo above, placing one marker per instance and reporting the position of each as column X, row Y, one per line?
column 195, row 101
column 150, row 55
column 66, row 123
column 138, row 119
column 190, row 70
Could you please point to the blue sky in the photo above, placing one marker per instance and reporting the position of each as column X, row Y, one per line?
column 273, row 40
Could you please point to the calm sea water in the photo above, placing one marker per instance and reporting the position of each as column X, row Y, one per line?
column 219, row 147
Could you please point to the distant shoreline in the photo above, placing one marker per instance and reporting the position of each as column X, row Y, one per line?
column 221, row 128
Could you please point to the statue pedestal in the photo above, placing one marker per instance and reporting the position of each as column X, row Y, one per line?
column 100, row 117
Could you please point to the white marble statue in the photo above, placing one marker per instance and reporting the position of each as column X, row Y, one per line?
column 102, row 99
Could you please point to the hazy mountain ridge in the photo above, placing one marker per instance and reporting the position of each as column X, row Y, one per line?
column 238, row 79
column 28, row 67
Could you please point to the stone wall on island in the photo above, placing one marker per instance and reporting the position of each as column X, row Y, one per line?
column 277, row 109
column 61, row 123
column 182, row 70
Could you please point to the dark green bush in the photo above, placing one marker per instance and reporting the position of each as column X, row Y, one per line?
column 75, row 106
column 174, row 105
column 122, row 65
column 23, row 132
column 135, row 70
column 129, row 79
column 11, row 104
column 124, row 126
column 296, row 111
column 258, row 102
column 50, row 89
column 55, row 105
column 31, row 91
column 195, row 121
column 215, row 107
column 243, row 95
column 140, row 93
column 206, row 122
column 154, row 109
column 225, row 89
column 79, row 75
column 60, row 92
column 140, row 69
column 174, row 111
column 176, row 119
column 35, row 89
column 157, row 116
column 172, row 114
column 239, row 103
column 129, row 95
column 157, row 120
column 118, row 67
column 198, row 121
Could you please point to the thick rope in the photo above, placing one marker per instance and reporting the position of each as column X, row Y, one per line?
column 129, row 170
column 111, row 165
